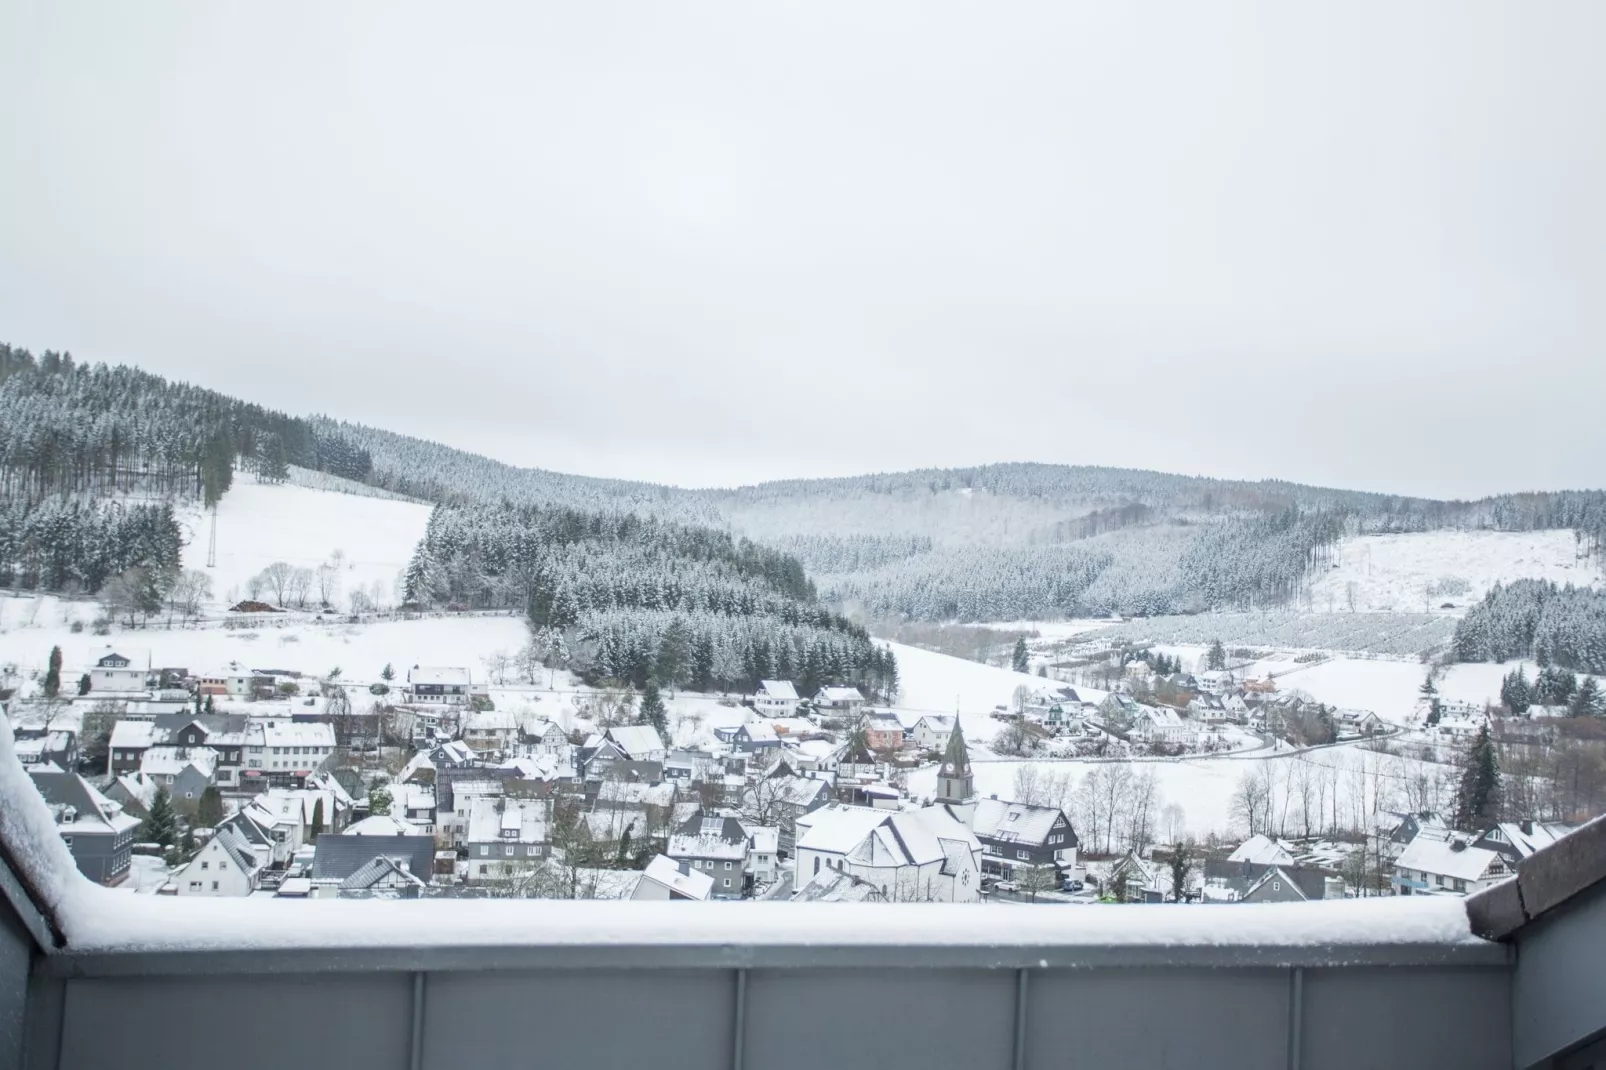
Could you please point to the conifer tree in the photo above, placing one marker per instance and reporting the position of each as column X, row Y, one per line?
column 653, row 712
column 317, row 820
column 387, row 674
column 52, row 683
column 1217, row 656
column 1586, row 701
column 1515, row 694
column 84, row 684
column 1020, row 661
column 209, row 810
column 161, row 824
column 1479, row 798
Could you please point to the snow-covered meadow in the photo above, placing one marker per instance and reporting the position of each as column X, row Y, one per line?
column 1422, row 571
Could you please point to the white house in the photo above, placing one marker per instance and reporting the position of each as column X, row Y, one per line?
column 1262, row 851
column 1216, row 682
column 931, row 731
column 438, row 685
column 667, row 879
column 846, row 700
column 1161, row 724
column 227, row 866
column 1453, row 866
column 924, row 855
column 118, row 674
column 279, row 748
column 776, row 698
column 763, row 847
column 492, row 730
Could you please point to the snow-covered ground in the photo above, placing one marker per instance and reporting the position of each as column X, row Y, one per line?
column 1048, row 629
column 1407, row 573
column 259, row 523
column 937, row 683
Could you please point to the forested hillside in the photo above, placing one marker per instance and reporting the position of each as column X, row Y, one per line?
column 628, row 598
column 993, row 542
column 1563, row 626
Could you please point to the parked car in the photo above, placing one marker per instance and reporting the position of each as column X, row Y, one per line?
column 1069, row 885
column 1006, row 886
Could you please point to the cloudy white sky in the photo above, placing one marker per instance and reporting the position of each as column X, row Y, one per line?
column 1360, row 244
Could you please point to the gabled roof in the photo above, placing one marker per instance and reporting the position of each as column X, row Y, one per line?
column 133, row 735
column 1449, row 858
column 1305, row 883
column 378, row 825
column 172, row 761
column 636, row 740
column 686, row 883
column 836, row 886
column 338, row 857
column 779, row 690
column 377, row 869
column 1262, row 851
column 438, row 674
column 758, row 732
column 1017, row 822
column 839, row 694
column 77, row 806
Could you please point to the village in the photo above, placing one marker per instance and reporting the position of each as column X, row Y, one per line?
column 271, row 783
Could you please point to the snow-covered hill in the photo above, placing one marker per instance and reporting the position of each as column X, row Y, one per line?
column 260, row 523
column 1421, row 572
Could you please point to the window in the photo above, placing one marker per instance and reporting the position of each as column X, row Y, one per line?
column 507, row 850
column 816, row 863
column 484, row 850
column 68, row 841
column 483, row 869
column 727, row 882
column 727, row 866
column 206, row 865
column 214, row 886
column 222, row 865
column 195, row 886
column 1023, row 854
column 1276, row 886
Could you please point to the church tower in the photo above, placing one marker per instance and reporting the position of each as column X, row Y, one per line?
column 956, row 788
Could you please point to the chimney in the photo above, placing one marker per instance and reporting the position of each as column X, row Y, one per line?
column 1527, row 828
column 684, row 867
column 1458, row 845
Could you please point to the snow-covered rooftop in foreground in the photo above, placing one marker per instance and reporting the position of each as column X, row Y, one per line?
column 95, row 919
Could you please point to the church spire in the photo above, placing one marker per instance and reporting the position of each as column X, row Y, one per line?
column 956, row 788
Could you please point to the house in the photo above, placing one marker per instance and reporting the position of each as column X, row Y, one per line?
column 56, row 747
column 638, row 742
column 1447, row 867
column 1016, row 834
column 539, row 736
column 382, row 877
column 883, row 731
column 1216, row 682
column 134, row 792
column 225, row 734
column 504, row 835
column 492, row 731
column 1357, row 723
column 717, row 845
column 338, row 858
column 597, row 756
column 781, row 799
column 248, row 685
column 932, row 730
column 286, row 752
column 925, row 855
column 666, row 878
column 1145, row 880
column 1161, row 724
column 185, row 773
column 440, row 686
column 1262, row 851
column 754, row 736
column 228, row 865
column 1516, row 840
column 415, row 804
column 841, row 700
column 116, row 674
column 776, row 698
column 455, row 794
column 1294, row 884
column 128, row 743
column 98, row 834
column 1119, row 709
column 1392, row 830
column 763, row 853
column 1208, row 708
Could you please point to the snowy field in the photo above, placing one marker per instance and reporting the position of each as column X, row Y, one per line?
column 1393, row 634
column 258, row 524
column 1408, row 573
column 1051, row 630
column 937, row 683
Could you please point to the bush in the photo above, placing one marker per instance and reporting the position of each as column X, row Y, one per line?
column 289, row 688
column 77, row 627
column 379, row 689
column 101, row 626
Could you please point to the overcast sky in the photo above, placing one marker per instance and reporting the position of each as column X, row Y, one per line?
column 1358, row 244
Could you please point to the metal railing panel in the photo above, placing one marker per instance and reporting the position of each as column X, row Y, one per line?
column 240, row 1022
column 1153, row 1017
column 889, row 1019
column 594, row 1018
column 1408, row 1018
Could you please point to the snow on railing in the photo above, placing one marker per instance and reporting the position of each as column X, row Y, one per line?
column 99, row 920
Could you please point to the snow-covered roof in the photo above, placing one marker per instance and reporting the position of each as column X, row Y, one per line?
column 1000, row 820
column 1262, row 851
column 839, row 694
column 438, row 674
column 688, row 883
column 1526, row 841
column 379, row 825
column 492, row 721
column 76, row 805
column 171, row 761
column 759, row 732
column 836, row 886
column 282, row 732
column 764, row 839
column 706, row 845
column 884, row 837
column 492, row 820
column 1450, row 858
column 779, row 690
column 139, row 787
column 937, row 722
column 132, row 735
column 636, row 740
column 634, row 793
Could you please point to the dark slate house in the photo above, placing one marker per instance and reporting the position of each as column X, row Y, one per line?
column 1015, row 834
column 1294, row 884
column 337, row 858
column 95, row 829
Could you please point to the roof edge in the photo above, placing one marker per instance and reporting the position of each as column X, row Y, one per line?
column 1547, row 879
